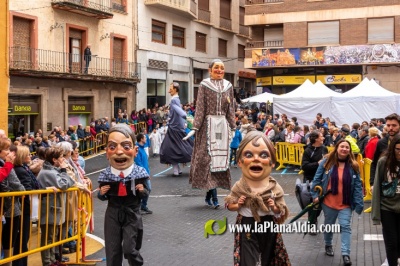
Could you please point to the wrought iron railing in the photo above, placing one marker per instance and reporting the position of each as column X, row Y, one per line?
column 204, row 15
column 225, row 23
column 244, row 30
column 262, row 44
column 253, row 2
column 100, row 5
column 28, row 59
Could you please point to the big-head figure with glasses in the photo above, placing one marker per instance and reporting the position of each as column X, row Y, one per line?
column 123, row 185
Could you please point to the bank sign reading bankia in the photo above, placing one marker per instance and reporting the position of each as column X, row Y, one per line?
column 327, row 55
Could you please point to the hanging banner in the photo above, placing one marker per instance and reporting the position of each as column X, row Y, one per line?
column 292, row 80
column 339, row 79
column 326, row 55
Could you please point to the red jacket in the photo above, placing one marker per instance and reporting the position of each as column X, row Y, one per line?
column 5, row 170
column 370, row 148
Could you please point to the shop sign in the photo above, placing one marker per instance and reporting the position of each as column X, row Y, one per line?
column 79, row 108
column 292, row 80
column 339, row 79
column 264, row 81
column 24, row 108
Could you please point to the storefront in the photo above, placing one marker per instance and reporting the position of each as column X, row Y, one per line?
column 284, row 80
column 246, row 81
column 22, row 118
column 79, row 114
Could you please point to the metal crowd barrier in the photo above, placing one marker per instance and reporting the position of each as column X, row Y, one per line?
column 76, row 205
column 289, row 153
column 137, row 127
column 92, row 145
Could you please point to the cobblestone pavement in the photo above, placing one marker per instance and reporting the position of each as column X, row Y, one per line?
column 174, row 233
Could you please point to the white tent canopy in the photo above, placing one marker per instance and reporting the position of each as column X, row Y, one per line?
column 305, row 102
column 261, row 98
column 365, row 101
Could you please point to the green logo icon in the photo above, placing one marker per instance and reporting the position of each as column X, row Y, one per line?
column 208, row 227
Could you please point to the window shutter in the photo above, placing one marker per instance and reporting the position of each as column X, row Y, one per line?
column 21, row 32
column 201, row 42
column 222, row 47
column 225, row 9
column 323, row 33
column 241, row 54
column 381, row 30
column 241, row 15
column 204, row 5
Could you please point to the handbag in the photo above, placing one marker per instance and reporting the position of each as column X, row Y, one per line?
column 389, row 189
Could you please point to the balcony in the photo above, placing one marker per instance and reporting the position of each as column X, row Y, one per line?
column 100, row 9
column 204, row 16
column 265, row 44
column 225, row 23
column 187, row 8
column 44, row 63
column 257, row 2
column 244, row 30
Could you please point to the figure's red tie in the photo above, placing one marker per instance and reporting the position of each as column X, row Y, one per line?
column 122, row 187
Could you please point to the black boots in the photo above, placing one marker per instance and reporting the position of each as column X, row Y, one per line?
column 346, row 260
column 329, row 250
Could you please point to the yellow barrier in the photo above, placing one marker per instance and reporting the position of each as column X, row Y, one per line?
column 50, row 233
column 367, row 174
column 289, row 153
column 360, row 162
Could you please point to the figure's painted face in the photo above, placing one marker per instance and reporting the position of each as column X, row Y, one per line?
column 172, row 90
column 255, row 162
column 217, row 71
column 120, row 151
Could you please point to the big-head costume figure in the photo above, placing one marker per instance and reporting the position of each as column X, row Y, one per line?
column 213, row 122
column 123, row 185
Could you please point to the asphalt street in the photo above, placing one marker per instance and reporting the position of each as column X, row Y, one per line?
column 174, row 233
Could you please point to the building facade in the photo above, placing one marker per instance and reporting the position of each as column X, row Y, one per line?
column 54, row 80
column 338, row 42
column 178, row 39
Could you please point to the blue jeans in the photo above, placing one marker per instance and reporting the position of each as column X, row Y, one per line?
column 344, row 219
column 145, row 199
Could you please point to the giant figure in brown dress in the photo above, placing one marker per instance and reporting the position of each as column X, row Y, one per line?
column 213, row 123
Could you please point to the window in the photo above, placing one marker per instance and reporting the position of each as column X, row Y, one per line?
column 381, row 30
column 156, row 92
column 158, row 31
column 204, row 5
column 178, row 36
column 198, row 75
column 241, row 54
column 222, row 47
column 118, row 5
column 241, row 15
column 323, row 33
column 225, row 9
column 201, row 42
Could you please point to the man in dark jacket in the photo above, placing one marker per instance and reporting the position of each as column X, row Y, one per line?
column 80, row 132
column 88, row 57
column 393, row 126
column 363, row 139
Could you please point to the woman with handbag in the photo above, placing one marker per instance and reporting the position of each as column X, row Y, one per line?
column 386, row 198
column 339, row 173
